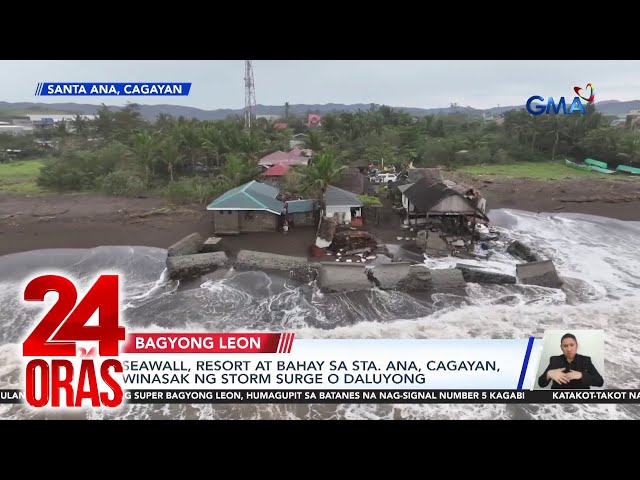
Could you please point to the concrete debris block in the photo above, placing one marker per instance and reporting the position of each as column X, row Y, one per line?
column 212, row 244
column 297, row 267
column 187, row 246
column 521, row 251
column 343, row 277
column 458, row 243
column 263, row 260
column 468, row 265
column 542, row 273
column 435, row 242
column 476, row 275
column 379, row 260
column 389, row 276
column 417, row 279
column 381, row 249
column 188, row 266
column 305, row 273
column 447, row 279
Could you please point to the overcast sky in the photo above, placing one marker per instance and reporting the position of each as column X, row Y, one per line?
column 398, row 83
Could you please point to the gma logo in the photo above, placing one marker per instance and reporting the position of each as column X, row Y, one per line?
column 540, row 108
column 576, row 105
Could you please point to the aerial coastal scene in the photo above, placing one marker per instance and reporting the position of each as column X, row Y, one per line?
column 280, row 203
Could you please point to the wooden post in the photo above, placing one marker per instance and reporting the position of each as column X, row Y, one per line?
column 473, row 231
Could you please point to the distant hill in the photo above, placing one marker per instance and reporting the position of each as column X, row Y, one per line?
column 616, row 107
column 150, row 112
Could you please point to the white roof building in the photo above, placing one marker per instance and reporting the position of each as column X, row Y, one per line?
column 51, row 118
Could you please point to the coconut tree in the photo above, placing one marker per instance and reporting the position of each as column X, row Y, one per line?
column 170, row 153
column 238, row 171
column 314, row 140
column 324, row 171
column 144, row 148
column 81, row 126
column 212, row 142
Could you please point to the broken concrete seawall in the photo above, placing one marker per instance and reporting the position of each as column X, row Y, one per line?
column 182, row 263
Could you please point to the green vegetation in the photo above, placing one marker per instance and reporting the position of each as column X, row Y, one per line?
column 538, row 171
column 324, row 171
column 20, row 176
column 120, row 153
column 369, row 200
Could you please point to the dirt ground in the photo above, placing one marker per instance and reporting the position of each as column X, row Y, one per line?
column 613, row 199
column 88, row 220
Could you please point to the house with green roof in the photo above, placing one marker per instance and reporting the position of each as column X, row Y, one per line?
column 251, row 207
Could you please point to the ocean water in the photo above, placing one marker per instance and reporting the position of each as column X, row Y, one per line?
column 597, row 257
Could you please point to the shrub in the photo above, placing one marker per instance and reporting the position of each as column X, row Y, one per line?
column 369, row 200
column 198, row 190
column 122, row 184
column 80, row 169
column 72, row 171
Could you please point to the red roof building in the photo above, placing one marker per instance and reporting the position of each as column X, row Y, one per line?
column 314, row 120
column 277, row 170
column 294, row 157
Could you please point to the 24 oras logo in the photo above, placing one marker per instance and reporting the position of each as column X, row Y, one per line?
column 576, row 104
column 62, row 378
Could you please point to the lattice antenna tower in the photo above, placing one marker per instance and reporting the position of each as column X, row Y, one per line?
column 249, row 94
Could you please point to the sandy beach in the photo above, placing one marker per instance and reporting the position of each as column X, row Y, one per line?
column 90, row 220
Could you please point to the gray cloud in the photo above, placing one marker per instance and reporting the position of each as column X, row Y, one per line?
column 401, row 83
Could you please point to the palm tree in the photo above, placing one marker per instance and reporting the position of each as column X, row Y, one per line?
column 314, row 140
column 170, row 152
column 144, row 148
column 382, row 151
column 324, row 171
column 238, row 171
column 556, row 128
column 212, row 142
column 80, row 125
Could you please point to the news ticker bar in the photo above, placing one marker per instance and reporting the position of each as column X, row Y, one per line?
column 364, row 396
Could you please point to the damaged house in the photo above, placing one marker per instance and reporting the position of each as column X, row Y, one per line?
column 424, row 202
column 343, row 206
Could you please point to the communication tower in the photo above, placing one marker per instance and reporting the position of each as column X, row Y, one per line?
column 249, row 94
